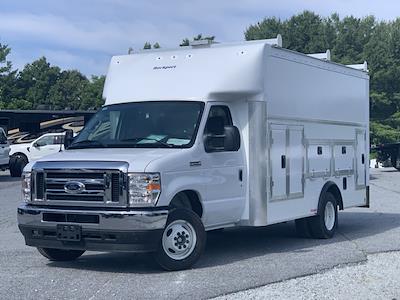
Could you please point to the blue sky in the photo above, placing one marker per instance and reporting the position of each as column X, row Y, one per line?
column 83, row 34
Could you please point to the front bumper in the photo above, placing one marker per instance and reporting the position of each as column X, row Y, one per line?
column 102, row 230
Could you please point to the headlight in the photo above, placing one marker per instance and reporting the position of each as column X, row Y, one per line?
column 144, row 188
column 26, row 186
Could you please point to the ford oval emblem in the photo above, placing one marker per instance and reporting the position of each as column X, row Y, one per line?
column 74, row 187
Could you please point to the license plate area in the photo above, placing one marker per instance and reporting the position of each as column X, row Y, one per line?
column 71, row 233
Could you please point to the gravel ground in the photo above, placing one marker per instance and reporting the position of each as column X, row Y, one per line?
column 377, row 278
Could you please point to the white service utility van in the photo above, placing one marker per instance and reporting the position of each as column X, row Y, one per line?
column 199, row 138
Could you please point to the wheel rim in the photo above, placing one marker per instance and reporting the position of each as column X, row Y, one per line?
column 179, row 239
column 330, row 216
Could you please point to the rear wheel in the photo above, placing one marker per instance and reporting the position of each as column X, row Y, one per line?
column 323, row 226
column 182, row 242
column 60, row 255
column 17, row 164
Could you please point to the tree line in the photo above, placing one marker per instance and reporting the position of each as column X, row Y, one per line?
column 351, row 40
column 40, row 85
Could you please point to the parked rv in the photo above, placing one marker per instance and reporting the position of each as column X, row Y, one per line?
column 21, row 154
column 4, row 150
column 199, row 138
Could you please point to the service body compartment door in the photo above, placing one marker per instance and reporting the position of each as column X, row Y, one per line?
column 286, row 162
column 278, row 162
column 360, row 158
column 295, row 168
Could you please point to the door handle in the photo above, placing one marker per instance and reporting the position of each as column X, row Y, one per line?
column 240, row 175
column 283, row 161
column 362, row 158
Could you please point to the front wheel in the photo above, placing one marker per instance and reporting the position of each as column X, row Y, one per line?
column 17, row 164
column 323, row 226
column 182, row 242
column 60, row 255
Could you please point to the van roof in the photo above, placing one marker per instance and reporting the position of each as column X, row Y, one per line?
column 203, row 72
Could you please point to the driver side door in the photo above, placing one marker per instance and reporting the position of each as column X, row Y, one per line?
column 224, row 172
column 43, row 146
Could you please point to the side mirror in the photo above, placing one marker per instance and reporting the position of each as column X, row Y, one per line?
column 232, row 138
column 36, row 145
column 228, row 141
column 69, row 137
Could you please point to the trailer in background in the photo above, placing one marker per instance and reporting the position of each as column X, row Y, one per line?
column 26, row 127
column 23, row 126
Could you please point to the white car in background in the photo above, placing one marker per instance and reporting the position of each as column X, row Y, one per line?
column 22, row 154
column 4, row 150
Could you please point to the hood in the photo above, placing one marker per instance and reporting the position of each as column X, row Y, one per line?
column 19, row 147
column 137, row 158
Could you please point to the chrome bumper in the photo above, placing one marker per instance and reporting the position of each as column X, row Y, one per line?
column 102, row 230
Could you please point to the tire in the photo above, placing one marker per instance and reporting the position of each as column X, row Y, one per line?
column 182, row 242
column 17, row 164
column 323, row 226
column 394, row 159
column 303, row 227
column 60, row 255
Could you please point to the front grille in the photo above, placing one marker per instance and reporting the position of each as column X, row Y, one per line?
column 39, row 185
column 116, row 187
column 80, row 187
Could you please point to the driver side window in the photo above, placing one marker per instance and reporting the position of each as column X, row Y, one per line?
column 218, row 117
column 46, row 140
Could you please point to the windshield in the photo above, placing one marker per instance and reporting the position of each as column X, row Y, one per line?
column 158, row 124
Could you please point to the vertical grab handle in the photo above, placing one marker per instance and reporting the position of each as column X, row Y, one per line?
column 363, row 159
column 283, row 161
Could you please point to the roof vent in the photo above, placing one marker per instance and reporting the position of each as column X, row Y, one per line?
column 276, row 41
column 324, row 55
column 362, row 67
column 201, row 43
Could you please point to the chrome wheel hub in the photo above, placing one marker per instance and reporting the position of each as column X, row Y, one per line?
column 179, row 239
column 330, row 216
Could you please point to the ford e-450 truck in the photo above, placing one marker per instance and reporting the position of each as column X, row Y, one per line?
column 199, row 138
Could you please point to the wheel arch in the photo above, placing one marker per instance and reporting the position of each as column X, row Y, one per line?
column 194, row 199
column 330, row 187
column 21, row 154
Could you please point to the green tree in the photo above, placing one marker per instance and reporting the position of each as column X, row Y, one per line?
column 36, row 80
column 267, row 28
column 305, row 33
column 92, row 95
column 67, row 91
column 8, row 78
column 147, row 46
column 5, row 65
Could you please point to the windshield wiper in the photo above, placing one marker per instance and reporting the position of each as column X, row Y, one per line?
column 148, row 139
column 87, row 144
